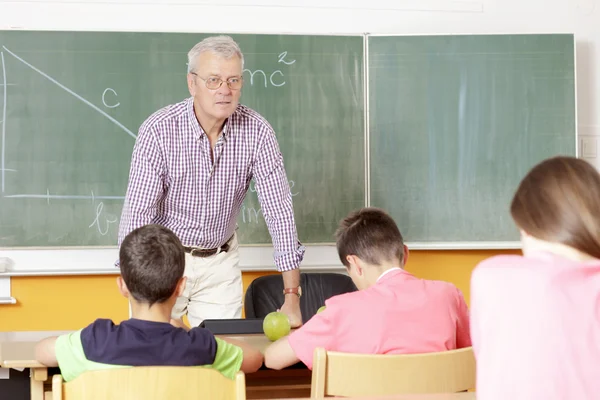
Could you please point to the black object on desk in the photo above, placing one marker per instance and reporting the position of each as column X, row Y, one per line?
column 237, row 326
column 233, row 326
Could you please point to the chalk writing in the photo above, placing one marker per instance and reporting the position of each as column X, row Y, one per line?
column 104, row 98
column 275, row 78
column 292, row 184
column 71, row 92
column 3, row 144
column 282, row 59
column 272, row 78
column 102, row 221
column 251, row 214
column 62, row 196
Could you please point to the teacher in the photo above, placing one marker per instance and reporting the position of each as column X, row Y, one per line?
column 191, row 167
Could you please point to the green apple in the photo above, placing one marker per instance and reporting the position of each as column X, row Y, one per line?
column 276, row 325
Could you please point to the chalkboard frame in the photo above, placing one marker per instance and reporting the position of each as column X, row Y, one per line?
column 444, row 245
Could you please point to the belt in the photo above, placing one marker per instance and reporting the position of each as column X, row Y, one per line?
column 200, row 252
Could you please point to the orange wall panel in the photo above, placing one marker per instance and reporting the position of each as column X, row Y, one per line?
column 72, row 302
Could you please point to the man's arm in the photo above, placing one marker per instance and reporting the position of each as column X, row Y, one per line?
column 45, row 351
column 145, row 187
column 275, row 199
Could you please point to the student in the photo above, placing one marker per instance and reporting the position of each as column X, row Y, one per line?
column 393, row 312
column 536, row 317
column 152, row 264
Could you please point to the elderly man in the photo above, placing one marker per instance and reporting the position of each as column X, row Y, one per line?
column 190, row 170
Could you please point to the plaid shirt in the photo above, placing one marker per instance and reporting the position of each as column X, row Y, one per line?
column 174, row 183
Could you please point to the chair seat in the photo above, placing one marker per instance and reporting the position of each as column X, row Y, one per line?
column 265, row 294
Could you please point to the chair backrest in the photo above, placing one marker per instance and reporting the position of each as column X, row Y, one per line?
column 146, row 383
column 344, row 374
column 265, row 294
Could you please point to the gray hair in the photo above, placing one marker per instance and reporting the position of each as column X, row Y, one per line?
column 223, row 46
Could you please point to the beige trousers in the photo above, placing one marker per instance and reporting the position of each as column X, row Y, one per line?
column 214, row 287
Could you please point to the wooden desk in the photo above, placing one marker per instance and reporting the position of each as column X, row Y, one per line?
column 17, row 350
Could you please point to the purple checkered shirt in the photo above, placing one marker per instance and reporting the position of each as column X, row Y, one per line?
column 174, row 183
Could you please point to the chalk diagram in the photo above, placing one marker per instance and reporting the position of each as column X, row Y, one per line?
column 100, row 221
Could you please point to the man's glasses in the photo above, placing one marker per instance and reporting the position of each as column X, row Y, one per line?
column 213, row 83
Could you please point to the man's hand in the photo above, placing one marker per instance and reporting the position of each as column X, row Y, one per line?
column 291, row 307
column 291, row 304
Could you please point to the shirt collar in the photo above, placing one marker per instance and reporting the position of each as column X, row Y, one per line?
column 197, row 129
column 387, row 272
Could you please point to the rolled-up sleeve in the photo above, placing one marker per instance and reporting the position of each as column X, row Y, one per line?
column 275, row 199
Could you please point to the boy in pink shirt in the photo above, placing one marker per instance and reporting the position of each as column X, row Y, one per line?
column 393, row 312
column 535, row 319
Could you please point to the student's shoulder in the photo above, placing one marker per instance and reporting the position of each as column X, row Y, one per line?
column 99, row 325
column 197, row 333
column 443, row 289
column 97, row 331
column 77, row 339
column 198, row 338
column 500, row 264
column 347, row 300
column 202, row 343
column 501, row 261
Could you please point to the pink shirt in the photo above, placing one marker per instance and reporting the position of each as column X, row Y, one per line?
column 535, row 325
column 399, row 314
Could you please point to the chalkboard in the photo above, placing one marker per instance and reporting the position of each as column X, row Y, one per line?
column 72, row 102
column 455, row 123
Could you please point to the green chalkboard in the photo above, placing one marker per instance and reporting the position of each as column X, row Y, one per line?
column 455, row 123
column 71, row 104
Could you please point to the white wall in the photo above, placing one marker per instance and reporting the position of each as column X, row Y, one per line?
column 581, row 17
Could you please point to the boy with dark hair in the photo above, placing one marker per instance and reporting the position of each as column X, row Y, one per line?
column 152, row 265
column 393, row 312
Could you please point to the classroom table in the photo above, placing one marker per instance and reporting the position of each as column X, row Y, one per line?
column 17, row 351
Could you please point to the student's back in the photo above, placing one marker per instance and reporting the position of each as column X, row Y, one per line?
column 136, row 342
column 536, row 327
column 152, row 267
column 535, row 319
column 400, row 314
column 393, row 312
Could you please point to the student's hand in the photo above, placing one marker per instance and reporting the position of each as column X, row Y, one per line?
column 291, row 307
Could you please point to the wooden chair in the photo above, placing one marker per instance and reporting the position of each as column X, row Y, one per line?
column 344, row 374
column 146, row 383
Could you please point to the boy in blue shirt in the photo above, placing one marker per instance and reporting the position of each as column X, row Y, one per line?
column 152, row 266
